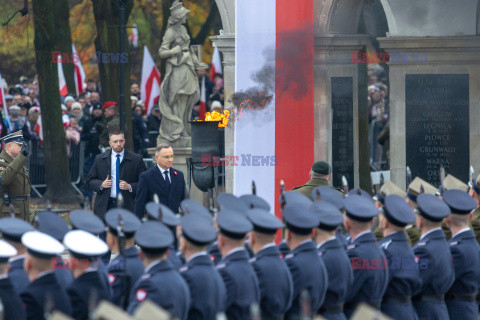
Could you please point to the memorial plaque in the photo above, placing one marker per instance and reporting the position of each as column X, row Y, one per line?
column 342, row 130
column 437, row 125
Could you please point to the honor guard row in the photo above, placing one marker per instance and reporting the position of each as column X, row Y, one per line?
column 200, row 266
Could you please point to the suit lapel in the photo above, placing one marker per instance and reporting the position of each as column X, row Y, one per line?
column 108, row 163
column 157, row 175
column 173, row 179
column 126, row 157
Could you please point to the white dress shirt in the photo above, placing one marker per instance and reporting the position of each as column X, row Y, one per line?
column 113, row 166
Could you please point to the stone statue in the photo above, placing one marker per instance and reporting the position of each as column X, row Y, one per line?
column 179, row 89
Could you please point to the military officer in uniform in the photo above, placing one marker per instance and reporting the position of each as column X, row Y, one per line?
column 12, row 305
column 403, row 275
column 449, row 183
column 55, row 226
column 335, row 198
column 12, row 230
column 253, row 201
column 207, row 289
column 44, row 294
column 306, row 267
column 126, row 268
column 91, row 223
column 371, row 278
column 238, row 275
column 290, row 198
column 388, row 188
column 332, row 252
column 169, row 219
column 415, row 188
column 465, row 250
column 320, row 175
column 274, row 278
column 161, row 282
column 15, row 187
column 88, row 286
column 433, row 256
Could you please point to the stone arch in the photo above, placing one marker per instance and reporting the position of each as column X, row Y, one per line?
column 227, row 14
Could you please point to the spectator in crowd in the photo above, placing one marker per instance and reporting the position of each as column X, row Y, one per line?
column 134, row 100
column 94, row 100
column 77, row 113
column 139, row 132
column 72, row 135
column 17, row 122
column 33, row 115
column 141, row 104
column 217, row 106
column 65, row 117
column 91, row 131
column 9, row 101
column 217, row 90
column 68, row 102
column 111, row 121
column 17, row 99
column 82, row 100
column 92, row 86
column 154, row 119
column 135, row 89
column 32, row 95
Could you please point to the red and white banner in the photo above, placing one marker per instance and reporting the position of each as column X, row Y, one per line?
column 62, row 84
column 4, row 103
column 216, row 65
column 79, row 73
column 276, row 143
column 38, row 128
column 203, row 101
column 150, row 86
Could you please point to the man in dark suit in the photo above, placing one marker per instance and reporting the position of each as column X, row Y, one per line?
column 163, row 180
column 115, row 171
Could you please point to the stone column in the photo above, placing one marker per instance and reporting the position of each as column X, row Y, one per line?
column 430, row 55
column 333, row 58
column 226, row 45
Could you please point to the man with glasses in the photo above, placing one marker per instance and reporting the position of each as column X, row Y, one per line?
column 115, row 171
column 163, row 180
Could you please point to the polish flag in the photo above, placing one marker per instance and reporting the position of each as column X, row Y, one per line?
column 80, row 75
column 216, row 65
column 150, row 86
column 274, row 49
column 38, row 128
column 4, row 103
column 203, row 101
column 62, row 84
column 133, row 39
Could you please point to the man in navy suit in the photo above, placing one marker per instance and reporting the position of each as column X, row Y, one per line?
column 163, row 180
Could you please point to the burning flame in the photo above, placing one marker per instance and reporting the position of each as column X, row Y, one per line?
column 217, row 116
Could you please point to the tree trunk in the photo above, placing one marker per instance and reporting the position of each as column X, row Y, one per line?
column 57, row 172
column 63, row 41
column 107, row 21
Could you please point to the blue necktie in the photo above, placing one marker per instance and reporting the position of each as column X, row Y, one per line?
column 117, row 174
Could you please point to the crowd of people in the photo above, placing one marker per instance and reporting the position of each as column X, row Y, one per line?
column 87, row 118
column 379, row 128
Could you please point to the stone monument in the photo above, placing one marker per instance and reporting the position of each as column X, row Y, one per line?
column 179, row 89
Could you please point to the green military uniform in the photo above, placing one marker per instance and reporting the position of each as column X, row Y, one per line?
column 110, row 123
column 15, row 185
column 308, row 187
column 320, row 168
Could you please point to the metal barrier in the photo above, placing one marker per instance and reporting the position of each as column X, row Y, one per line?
column 36, row 166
